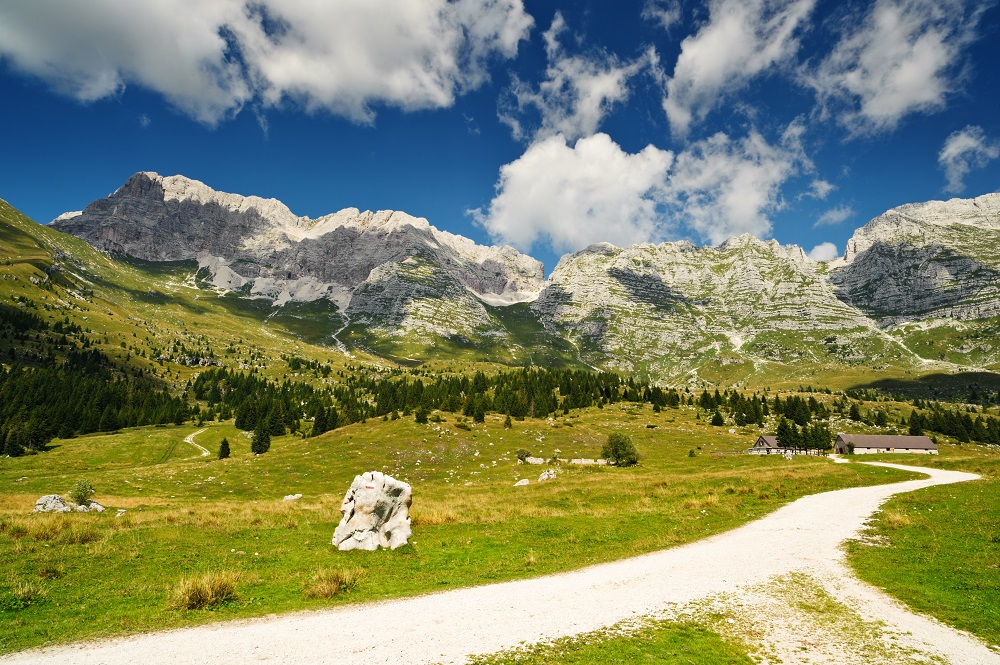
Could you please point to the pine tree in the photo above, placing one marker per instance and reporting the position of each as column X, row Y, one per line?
column 717, row 419
column 224, row 449
column 319, row 423
column 855, row 413
column 261, row 439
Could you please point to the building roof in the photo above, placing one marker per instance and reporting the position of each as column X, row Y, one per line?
column 769, row 440
column 888, row 441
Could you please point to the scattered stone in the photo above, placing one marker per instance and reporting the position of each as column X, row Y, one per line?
column 376, row 513
column 521, row 483
column 121, row 511
column 52, row 503
column 292, row 497
column 91, row 507
column 788, row 456
column 534, row 460
column 547, row 475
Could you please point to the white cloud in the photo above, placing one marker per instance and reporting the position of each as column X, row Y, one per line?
column 572, row 196
column 901, row 59
column 741, row 40
column 209, row 59
column 820, row 189
column 833, row 216
column 666, row 13
column 721, row 187
column 825, row 251
column 963, row 151
column 577, row 93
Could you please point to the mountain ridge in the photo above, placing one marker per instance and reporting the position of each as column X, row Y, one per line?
column 670, row 309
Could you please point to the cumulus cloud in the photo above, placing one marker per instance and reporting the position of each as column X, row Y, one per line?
column 577, row 93
column 825, row 251
column 573, row 196
column 665, row 13
column 902, row 59
column 741, row 40
column 833, row 216
column 963, row 151
column 209, row 59
column 570, row 196
column 721, row 187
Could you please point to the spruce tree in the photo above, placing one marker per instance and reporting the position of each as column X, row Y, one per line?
column 261, row 439
column 718, row 420
column 319, row 422
column 224, row 449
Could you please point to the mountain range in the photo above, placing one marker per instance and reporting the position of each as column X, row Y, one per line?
column 916, row 290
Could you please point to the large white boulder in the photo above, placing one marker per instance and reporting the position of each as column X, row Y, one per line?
column 52, row 503
column 376, row 513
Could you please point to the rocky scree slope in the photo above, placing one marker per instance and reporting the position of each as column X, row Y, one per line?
column 384, row 270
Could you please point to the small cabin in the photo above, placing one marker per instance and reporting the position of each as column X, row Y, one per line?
column 766, row 445
column 863, row 444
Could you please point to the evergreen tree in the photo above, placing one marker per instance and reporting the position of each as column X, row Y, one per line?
column 261, row 439
column 224, row 449
column 319, row 423
column 717, row 419
column 506, row 422
column 14, row 446
column 421, row 416
column 855, row 413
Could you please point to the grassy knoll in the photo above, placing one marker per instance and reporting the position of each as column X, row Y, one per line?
column 70, row 577
column 660, row 642
column 938, row 550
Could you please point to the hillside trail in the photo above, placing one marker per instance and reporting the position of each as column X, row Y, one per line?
column 190, row 439
column 755, row 583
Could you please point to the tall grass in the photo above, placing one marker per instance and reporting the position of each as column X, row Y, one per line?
column 327, row 583
column 207, row 590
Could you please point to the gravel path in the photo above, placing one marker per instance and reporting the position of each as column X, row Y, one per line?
column 190, row 439
column 803, row 537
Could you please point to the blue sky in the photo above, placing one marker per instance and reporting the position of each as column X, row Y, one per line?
column 545, row 125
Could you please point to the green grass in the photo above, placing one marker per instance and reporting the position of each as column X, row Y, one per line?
column 190, row 515
column 659, row 642
column 938, row 549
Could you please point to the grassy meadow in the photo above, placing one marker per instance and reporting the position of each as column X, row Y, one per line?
column 938, row 550
column 79, row 576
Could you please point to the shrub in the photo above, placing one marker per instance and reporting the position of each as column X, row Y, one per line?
column 523, row 454
column 506, row 422
column 692, row 453
column 81, row 493
column 224, row 449
column 421, row 416
column 208, row 590
column 326, row 583
column 619, row 450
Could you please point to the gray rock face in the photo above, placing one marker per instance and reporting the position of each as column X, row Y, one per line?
column 926, row 260
column 381, row 268
column 375, row 514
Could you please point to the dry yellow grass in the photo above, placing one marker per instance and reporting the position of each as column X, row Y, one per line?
column 327, row 583
column 206, row 590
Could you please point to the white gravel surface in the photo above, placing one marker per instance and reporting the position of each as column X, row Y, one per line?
column 803, row 537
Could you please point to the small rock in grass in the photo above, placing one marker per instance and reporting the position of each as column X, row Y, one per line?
column 521, row 483
column 292, row 497
column 547, row 475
